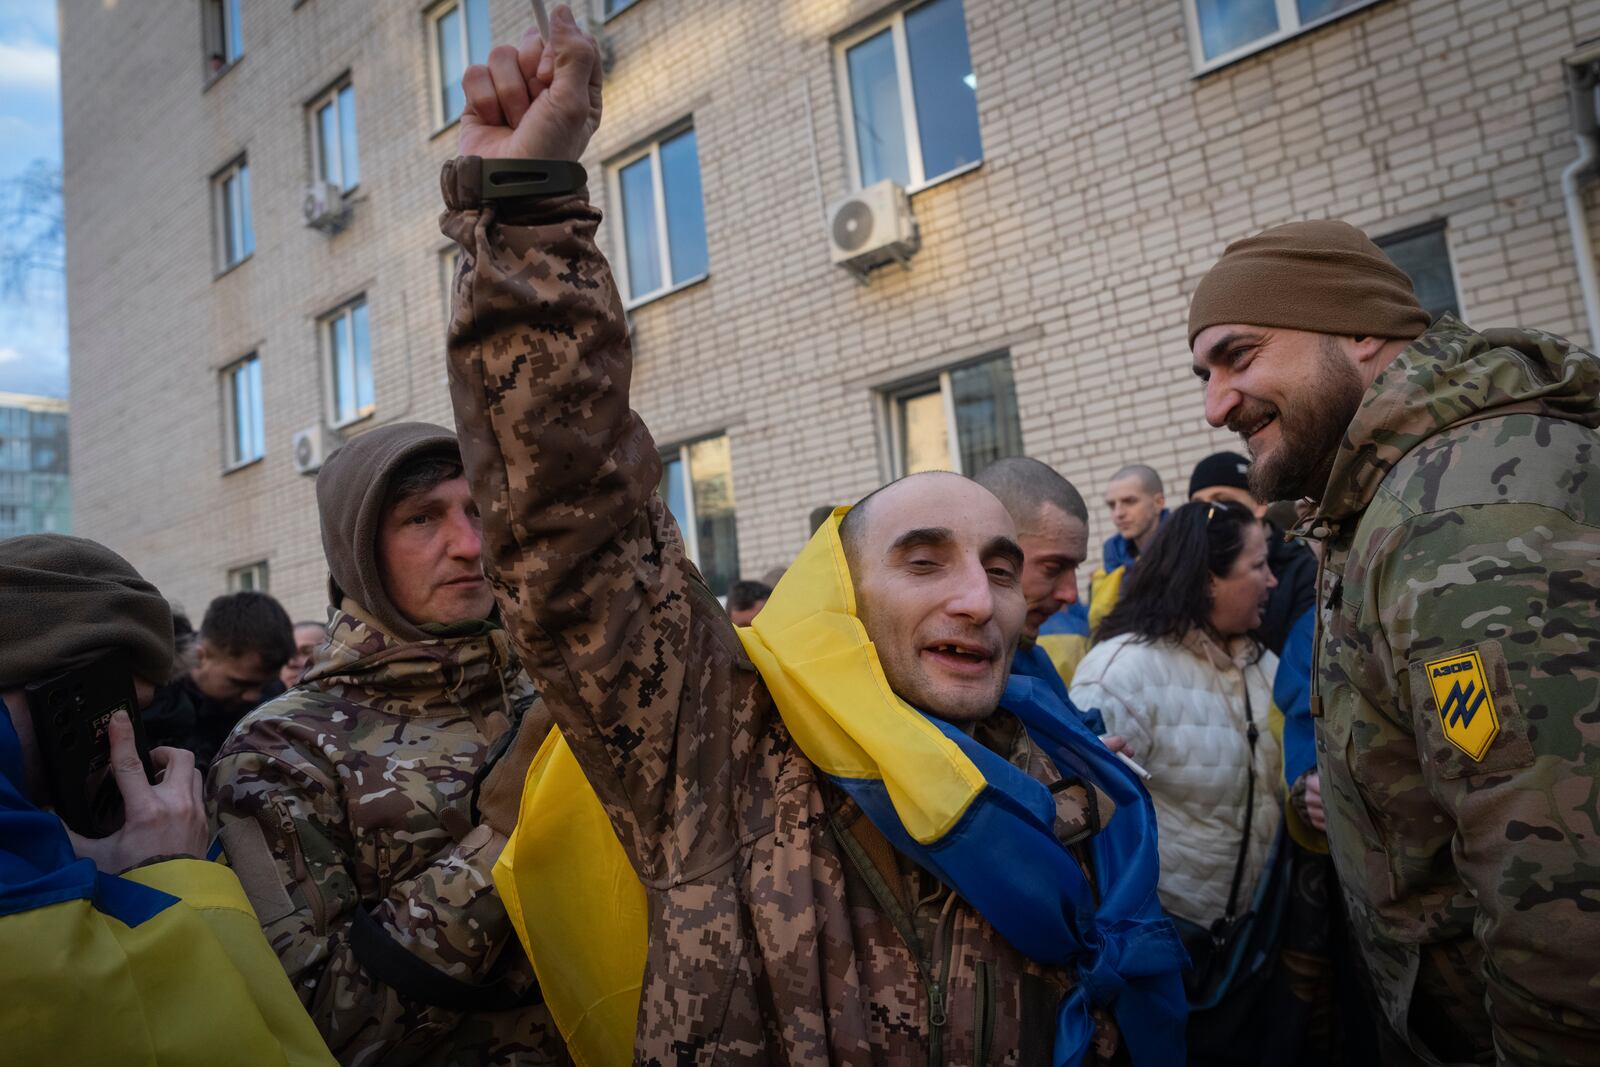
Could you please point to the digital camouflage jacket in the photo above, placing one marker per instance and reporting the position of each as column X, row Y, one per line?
column 783, row 929
column 345, row 807
column 1457, row 693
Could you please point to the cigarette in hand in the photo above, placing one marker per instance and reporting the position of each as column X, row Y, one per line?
column 1134, row 767
column 542, row 17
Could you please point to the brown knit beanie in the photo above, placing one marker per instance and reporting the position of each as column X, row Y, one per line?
column 1324, row 277
column 65, row 601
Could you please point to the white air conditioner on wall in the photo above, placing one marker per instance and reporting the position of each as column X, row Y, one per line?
column 872, row 227
column 310, row 447
column 324, row 207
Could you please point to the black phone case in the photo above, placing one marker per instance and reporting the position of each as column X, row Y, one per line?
column 71, row 717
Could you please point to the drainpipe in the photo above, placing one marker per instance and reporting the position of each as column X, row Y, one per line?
column 1583, row 87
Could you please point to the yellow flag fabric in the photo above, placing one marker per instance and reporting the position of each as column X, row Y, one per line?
column 1104, row 589
column 565, row 868
column 1066, row 651
column 196, row 983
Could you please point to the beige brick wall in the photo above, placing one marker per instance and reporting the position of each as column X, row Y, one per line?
column 1112, row 177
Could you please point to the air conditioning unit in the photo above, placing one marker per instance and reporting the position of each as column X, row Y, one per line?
column 872, row 227
column 310, row 447
column 324, row 207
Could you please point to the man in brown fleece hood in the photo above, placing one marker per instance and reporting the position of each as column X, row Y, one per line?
column 364, row 808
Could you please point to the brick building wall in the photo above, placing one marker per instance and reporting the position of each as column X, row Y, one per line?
column 1112, row 176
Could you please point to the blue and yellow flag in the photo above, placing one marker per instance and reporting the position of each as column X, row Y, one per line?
column 939, row 797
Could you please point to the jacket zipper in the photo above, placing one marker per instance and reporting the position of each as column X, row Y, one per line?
column 983, row 1011
column 937, row 1018
column 302, row 872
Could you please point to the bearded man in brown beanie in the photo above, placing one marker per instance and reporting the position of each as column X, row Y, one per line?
column 1456, row 694
column 364, row 809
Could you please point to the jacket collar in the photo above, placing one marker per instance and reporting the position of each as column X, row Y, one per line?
column 419, row 675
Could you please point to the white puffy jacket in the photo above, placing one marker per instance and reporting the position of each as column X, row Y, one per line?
column 1181, row 706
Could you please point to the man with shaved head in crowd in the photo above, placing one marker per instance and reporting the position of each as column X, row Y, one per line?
column 1053, row 530
column 812, row 895
column 1137, row 502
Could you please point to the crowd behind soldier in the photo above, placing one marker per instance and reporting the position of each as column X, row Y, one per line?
column 1347, row 768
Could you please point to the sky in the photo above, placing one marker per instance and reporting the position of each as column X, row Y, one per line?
column 33, row 329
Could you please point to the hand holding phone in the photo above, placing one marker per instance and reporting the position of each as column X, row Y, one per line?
column 161, row 820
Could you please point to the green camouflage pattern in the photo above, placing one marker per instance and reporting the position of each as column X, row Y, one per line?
column 1463, row 516
column 770, row 940
column 361, row 781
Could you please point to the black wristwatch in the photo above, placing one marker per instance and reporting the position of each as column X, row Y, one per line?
column 529, row 179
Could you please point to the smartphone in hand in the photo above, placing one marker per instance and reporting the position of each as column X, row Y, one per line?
column 71, row 716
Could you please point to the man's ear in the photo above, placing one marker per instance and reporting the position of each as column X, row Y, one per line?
column 1161, row 500
column 1366, row 349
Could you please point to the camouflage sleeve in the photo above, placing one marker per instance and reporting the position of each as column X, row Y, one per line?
column 1493, row 625
column 631, row 652
column 280, row 821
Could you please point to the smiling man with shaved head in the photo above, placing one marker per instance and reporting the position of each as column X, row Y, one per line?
column 857, row 839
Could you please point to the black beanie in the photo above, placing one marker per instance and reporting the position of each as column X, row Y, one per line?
column 65, row 601
column 1220, row 468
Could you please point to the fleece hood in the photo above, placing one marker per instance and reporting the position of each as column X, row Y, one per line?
column 1452, row 375
column 351, row 489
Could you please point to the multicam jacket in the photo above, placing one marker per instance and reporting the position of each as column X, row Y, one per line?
column 1457, row 693
column 344, row 805
column 783, row 929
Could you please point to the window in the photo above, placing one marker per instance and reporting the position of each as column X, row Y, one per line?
column 913, row 113
column 333, row 138
column 241, row 407
column 663, row 216
column 458, row 34
column 614, row 6
column 697, row 485
column 348, row 344
column 224, row 45
column 449, row 266
column 1425, row 257
column 250, row 578
column 236, row 237
column 1224, row 30
column 960, row 420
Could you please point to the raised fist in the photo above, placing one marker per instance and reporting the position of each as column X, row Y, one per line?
column 538, row 101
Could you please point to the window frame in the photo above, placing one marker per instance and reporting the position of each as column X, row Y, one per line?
column 891, row 396
column 325, row 325
column 238, row 170
column 260, row 572
column 1289, row 26
column 1441, row 226
column 330, row 98
column 223, row 18
column 895, row 21
column 449, row 259
column 230, row 430
column 614, row 168
column 689, row 528
column 431, row 18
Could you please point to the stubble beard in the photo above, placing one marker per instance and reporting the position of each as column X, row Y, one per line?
column 1310, row 430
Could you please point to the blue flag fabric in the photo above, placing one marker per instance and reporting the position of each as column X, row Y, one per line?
column 1003, row 858
column 1034, row 662
column 37, row 865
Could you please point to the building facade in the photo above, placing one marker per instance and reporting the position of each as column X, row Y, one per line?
column 35, row 494
column 1072, row 169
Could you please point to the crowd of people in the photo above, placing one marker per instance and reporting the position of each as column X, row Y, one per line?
column 1247, row 795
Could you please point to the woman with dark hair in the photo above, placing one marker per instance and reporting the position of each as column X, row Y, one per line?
column 1174, row 671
